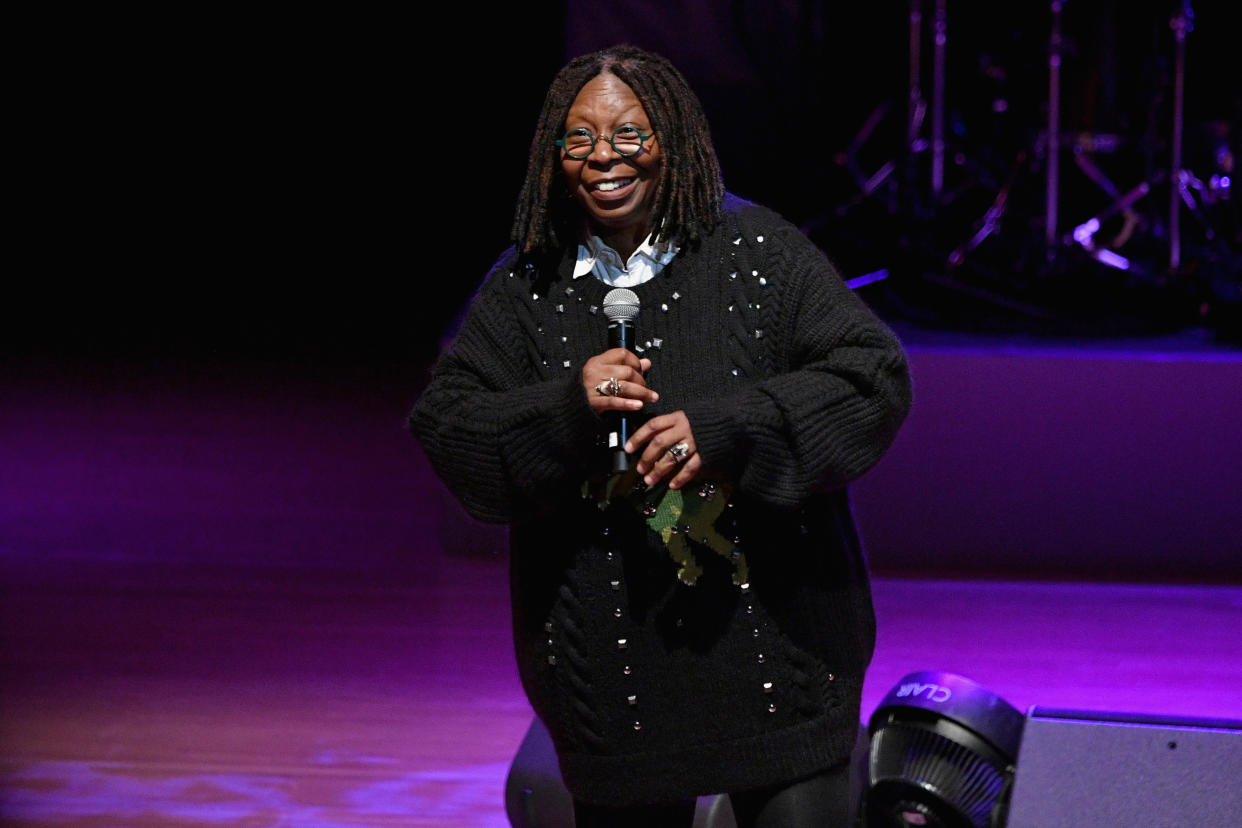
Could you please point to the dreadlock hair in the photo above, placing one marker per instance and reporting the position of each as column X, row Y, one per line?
column 688, row 196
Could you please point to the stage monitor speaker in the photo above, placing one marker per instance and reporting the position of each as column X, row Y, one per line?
column 1086, row 768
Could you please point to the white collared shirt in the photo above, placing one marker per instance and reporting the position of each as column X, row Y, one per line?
column 644, row 264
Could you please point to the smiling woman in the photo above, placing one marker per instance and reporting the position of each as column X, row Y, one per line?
column 699, row 622
column 615, row 181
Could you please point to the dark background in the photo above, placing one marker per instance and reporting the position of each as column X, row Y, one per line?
column 302, row 188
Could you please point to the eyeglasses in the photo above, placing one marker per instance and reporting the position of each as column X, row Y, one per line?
column 580, row 143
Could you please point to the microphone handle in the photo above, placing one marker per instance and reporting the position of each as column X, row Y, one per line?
column 620, row 335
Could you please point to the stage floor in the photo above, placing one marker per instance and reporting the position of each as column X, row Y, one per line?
column 226, row 600
column 143, row 695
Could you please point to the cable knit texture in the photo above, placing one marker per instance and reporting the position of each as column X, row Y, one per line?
column 654, row 690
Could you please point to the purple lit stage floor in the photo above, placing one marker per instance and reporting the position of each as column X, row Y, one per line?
column 234, row 597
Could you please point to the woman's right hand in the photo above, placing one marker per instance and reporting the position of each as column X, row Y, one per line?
column 621, row 371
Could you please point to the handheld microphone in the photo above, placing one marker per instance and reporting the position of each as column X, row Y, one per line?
column 621, row 308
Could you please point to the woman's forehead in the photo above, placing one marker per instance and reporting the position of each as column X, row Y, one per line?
column 606, row 96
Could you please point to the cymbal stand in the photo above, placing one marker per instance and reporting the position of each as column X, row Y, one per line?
column 867, row 184
column 990, row 222
column 916, row 112
column 1054, row 130
column 1084, row 147
column 1084, row 234
column 1051, row 147
column 940, row 35
column 1181, row 181
column 1182, row 23
column 916, row 107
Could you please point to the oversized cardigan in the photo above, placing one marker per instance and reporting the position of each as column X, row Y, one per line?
column 652, row 689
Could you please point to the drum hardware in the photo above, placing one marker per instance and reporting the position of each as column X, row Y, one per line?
column 1182, row 23
column 940, row 181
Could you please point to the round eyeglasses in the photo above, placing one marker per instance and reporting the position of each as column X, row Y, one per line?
column 580, row 143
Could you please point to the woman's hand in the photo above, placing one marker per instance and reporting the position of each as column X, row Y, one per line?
column 614, row 381
column 668, row 447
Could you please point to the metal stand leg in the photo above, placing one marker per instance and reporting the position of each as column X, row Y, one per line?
column 940, row 29
column 1054, row 131
column 916, row 107
column 1182, row 23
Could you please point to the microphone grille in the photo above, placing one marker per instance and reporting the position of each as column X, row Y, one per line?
column 621, row 305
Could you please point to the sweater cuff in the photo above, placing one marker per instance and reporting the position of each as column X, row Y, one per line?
column 562, row 426
column 719, row 436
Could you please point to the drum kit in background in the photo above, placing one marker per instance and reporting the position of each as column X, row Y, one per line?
column 1049, row 177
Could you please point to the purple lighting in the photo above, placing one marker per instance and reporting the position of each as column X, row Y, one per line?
column 866, row 279
column 1084, row 232
column 1111, row 259
column 214, row 613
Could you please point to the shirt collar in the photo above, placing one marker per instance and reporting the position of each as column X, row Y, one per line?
column 647, row 260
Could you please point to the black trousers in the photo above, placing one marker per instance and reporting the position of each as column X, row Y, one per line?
column 822, row 801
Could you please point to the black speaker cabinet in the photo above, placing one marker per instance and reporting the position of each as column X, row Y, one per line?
column 1086, row 768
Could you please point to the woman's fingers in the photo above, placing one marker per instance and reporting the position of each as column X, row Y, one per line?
column 688, row 472
column 614, row 381
column 668, row 448
column 620, row 395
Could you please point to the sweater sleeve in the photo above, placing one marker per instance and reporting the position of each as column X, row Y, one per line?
column 507, row 443
column 835, row 402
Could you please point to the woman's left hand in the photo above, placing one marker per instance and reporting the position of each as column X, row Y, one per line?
column 668, row 447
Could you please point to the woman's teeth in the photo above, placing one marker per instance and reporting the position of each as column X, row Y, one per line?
column 608, row 186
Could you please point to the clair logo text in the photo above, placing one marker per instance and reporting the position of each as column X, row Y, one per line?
column 932, row 692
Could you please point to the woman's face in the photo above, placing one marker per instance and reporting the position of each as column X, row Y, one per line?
column 615, row 192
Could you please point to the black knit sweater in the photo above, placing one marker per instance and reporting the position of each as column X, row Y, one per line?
column 654, row 690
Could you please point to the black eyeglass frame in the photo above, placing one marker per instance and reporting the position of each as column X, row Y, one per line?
column 612, row 141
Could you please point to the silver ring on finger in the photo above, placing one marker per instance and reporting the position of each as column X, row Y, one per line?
column 611, row 387
column 680, row 451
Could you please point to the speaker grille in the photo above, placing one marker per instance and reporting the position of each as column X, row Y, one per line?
column 910, row 754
